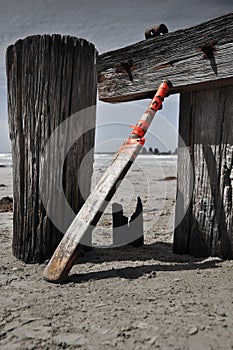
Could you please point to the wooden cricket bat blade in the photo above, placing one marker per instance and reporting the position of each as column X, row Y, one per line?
column 64, row 256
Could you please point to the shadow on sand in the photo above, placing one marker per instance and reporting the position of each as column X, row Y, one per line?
column 160, row 252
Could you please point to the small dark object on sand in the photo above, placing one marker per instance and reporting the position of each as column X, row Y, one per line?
column 6, row 204
column 2, row 185
column 168, row 178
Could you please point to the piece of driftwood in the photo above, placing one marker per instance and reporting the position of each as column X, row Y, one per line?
column 193, row 58
column 205, row 177
column 136, row 230
column 125, row 230
column 50, row 79
column 119, row 226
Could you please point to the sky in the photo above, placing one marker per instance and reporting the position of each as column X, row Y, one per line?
column 108, row 24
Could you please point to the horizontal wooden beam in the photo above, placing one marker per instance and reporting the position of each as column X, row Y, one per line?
column 194, row 58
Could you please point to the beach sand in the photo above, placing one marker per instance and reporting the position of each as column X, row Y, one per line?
column 122, row 298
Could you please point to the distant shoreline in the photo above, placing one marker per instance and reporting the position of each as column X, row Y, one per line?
column 113, row 152
column 6, row 158
column 144, row 154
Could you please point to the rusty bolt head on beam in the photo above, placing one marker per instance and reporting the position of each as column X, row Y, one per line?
column 156, row 31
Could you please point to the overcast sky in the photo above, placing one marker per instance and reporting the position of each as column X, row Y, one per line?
column 109, row 24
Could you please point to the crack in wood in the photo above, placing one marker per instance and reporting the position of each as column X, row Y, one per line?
column 209, row 50
column 127, row 67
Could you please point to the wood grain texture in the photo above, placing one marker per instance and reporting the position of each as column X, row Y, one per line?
column 49, row 79
column 134, row 72
column 206, row 124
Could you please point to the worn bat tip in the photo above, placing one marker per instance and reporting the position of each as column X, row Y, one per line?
column 61, row 262
column 52, row 278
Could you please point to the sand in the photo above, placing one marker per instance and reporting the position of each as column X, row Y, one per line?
column 122, row 298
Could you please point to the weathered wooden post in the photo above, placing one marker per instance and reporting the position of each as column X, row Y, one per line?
column 198, row 61
column 50, row 79
column 206, row 124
